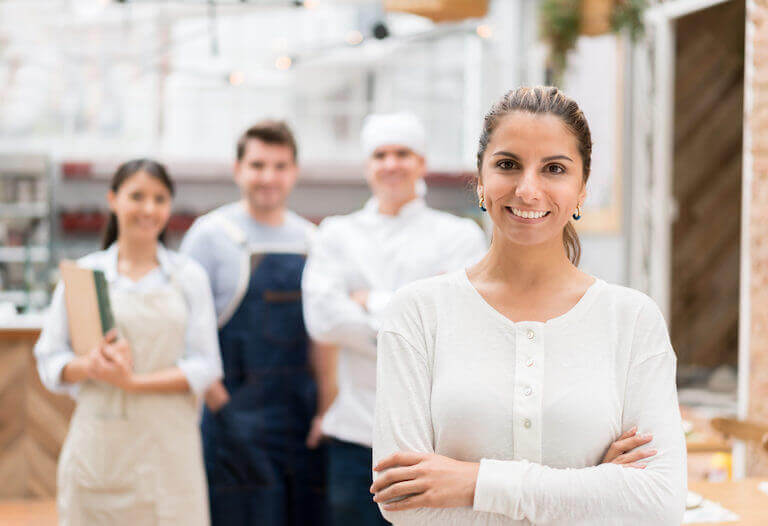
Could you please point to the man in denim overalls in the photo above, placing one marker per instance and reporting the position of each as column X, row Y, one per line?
column 256, row 424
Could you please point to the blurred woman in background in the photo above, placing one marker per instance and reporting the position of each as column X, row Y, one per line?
column 133, row 454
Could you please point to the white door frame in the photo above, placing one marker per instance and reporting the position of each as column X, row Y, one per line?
column 653, row 205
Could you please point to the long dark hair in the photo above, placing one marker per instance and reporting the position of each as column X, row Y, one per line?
column 123, row 172
column 544, row 100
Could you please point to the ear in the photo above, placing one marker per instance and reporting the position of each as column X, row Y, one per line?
column 583, row 194
column 236, row 170
column 111, row 200
column 480, row 190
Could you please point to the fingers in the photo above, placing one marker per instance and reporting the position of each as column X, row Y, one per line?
column 634, row 456
column 416, row 501
column 634, row 465
column 392, row 476
column 628, row 433
column 111, row 336
column 401, row 489
column 626, row 443
column 401, row 458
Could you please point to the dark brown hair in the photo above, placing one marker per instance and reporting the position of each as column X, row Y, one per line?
column 122, row 174
column 542, row 100
column 269, row 132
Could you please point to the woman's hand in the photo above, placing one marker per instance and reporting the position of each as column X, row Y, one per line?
column 624, row 450
column 424, row 480
column 112, row 362
column 216, row 396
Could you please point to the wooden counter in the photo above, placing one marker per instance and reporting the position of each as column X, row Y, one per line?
column 739, row 496
column 33, row 422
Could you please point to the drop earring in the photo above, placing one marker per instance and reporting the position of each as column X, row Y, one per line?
column 577, row 215
column 482, row 204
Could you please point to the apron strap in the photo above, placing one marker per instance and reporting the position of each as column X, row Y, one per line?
column 236, row 234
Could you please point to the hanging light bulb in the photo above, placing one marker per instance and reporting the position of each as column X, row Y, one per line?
column 354, row 37
column 284, row 62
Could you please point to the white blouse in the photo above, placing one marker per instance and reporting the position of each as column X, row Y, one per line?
column 201, row 361
column 536, row 403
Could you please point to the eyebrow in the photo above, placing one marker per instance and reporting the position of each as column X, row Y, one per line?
column 545, row 159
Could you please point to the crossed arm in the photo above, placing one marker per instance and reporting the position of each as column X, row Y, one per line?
column 440, row 490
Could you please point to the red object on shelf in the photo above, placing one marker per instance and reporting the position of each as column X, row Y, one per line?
column 76, row 170
column 90, row 222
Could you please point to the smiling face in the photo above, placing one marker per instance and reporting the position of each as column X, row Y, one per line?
column 393, row 171
column 142, row 205
column 531, row 178
column 266, row 174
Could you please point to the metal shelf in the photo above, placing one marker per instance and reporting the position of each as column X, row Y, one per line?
column 24, row 210
column 19, row 297
column 19, row 254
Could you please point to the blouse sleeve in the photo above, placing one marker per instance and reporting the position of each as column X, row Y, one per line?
column 653, row 496
column 403, row 420
column 201, row 361
column 53, row 350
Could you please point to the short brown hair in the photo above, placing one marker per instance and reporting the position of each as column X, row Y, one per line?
column 542, row 100
column 269, row 132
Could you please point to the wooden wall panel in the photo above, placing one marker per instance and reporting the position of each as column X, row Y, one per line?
column 709, row 93
column 33, row 422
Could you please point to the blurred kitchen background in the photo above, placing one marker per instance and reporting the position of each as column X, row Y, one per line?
column 672, row 90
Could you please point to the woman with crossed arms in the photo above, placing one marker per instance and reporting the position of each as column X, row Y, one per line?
column 500, row 387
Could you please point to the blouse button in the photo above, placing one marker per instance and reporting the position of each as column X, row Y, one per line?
column 528, row 391
column 529, row 363
column 527, row 423
column 531, row 335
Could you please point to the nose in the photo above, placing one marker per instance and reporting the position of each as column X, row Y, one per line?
column 390, row 162
column 149, row 206
column 528, row 187
column 268, row 175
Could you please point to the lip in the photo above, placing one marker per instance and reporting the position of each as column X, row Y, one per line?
column 529, row 220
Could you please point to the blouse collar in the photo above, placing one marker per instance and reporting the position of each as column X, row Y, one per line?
column 110, row 268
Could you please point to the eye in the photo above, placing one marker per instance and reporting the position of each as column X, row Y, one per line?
column 507, row 164
column 556, row 169
column 161, row 199
column 137, row 196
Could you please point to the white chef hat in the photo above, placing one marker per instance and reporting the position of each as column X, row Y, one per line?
column 403, row 129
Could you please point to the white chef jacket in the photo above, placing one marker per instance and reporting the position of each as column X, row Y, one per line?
column 367, row 250
column 536, row 403
column 201, row 361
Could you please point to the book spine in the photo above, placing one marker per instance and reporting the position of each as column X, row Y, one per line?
column 102, row 296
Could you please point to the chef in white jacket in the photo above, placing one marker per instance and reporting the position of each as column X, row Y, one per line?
column 356, row 264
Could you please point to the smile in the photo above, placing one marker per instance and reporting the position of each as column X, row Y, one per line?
column 528, row 214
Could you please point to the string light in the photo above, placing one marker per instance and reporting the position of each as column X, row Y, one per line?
column 484, row 31
column 236, row 78
column 283, row 62
column 354, row 38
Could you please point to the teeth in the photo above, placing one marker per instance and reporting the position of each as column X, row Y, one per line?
column 528, row 215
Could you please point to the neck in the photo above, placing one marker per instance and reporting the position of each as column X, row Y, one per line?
column 136, row 252
column 271, row 216
column 527, row 265
column 393, row 207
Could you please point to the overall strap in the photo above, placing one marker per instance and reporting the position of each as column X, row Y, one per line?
column 236, row 234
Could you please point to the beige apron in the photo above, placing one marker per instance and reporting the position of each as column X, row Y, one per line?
column 136, row 459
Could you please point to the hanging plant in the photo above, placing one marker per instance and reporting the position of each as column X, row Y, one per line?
column 560, row 25
column 628, row 15
column 563, row 21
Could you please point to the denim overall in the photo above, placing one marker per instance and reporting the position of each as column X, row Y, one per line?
column 259, row 469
